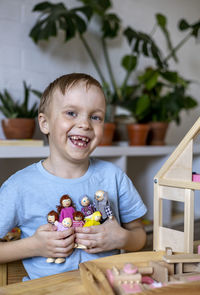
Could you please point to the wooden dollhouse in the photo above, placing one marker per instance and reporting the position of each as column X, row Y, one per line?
column 174, row 182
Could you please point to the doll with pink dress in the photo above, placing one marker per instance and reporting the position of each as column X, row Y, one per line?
column 66, row 208
column 66, row 223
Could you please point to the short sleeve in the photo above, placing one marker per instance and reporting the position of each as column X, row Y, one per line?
column 9, row 206
column 131, row 205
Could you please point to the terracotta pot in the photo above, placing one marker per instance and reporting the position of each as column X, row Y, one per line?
column 157, row 133
column 18, row 128
column 137, row 133
column 109, row 129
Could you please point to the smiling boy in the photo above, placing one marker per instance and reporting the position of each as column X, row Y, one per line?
column 71, row 115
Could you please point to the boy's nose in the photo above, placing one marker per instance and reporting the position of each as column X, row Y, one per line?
column 84, row 123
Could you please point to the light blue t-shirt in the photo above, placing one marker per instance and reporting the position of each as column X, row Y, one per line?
column 31, row 193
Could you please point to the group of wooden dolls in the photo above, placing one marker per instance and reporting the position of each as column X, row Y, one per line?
column 66, row 215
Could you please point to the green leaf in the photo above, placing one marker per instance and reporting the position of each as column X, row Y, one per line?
column 56, row 16
column 129, row 62
column 161, row 20
column 42, row 6
column 183, row 25
column 170, row 76
column 162, row 23
column 110, row 25
column 143, row 104
column 98, row 6
column 143, row 43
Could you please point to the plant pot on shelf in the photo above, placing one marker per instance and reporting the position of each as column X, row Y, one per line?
column 137, row 133
column 157, row 133
column 108, row 134
column 18, row 128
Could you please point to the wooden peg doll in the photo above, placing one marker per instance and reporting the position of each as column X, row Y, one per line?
column 87, row 208
column 93, row 219
column 78, row 220
column 102, row 204
column 61, row 226
column 66, row 208
column 52, row 217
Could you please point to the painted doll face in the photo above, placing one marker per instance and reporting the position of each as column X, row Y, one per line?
column 67, row 222
column 78, row 218
column 66, row 203
column 51, row 218
column 85, row 201
column 99, row 195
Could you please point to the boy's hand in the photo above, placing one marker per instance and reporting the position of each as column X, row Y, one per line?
column 99, row 238
column 51, row 243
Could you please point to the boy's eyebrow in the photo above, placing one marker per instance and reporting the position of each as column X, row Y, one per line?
column 77, row 107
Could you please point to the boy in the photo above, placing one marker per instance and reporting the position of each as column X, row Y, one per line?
column 71, row 114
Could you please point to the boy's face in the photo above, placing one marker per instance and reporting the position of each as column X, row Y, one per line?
column 75, row 122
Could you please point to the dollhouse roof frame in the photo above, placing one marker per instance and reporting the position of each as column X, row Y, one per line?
column 174, row 182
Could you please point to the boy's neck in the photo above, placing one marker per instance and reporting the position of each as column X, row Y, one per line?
column 68, row 170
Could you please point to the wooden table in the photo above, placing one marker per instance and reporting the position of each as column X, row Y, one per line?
column 70, row 282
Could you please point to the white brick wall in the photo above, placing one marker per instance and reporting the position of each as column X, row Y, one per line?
column 21, row 59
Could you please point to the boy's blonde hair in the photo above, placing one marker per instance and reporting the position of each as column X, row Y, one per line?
column 64, row 83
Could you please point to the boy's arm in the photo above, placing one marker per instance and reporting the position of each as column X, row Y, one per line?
column 16, row 250
column 134, row 236
column 46, row 242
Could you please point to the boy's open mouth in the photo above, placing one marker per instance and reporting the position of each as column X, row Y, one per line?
column 79, row 140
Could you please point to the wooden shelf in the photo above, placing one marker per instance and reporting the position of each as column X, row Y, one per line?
column 104, row 151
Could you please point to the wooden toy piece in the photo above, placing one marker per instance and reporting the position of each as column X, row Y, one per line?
column 61, row 226
column 93, row 219
column 168, row 251
column 181, row 258
column 65, row 209
column 52, row 217
column 87, row 208
column 160, row 272
column 102, row 204
column 185, row 277
column 78, row 218
column 174, row 182
column 94, row 279
column 191, row 267
column 195, row 177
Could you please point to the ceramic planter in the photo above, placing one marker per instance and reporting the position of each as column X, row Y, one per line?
column 137, row 134
column 109, row 129
column 18, row 128
column 157, row 133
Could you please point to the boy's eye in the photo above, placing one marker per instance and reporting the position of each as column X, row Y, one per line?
column 96, row 118
column 71, row 113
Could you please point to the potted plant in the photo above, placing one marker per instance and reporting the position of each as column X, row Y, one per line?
column 160, row 94
column 20, row 118
column 75, row 22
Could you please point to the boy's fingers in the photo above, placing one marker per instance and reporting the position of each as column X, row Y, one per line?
column 47, row 227
column 88, row 230
column 64, row 234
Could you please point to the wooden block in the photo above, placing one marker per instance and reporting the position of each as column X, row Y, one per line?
column 160, row 272
column 191, row 267
column 182, row 258
column 178, row 268
column 186, row 277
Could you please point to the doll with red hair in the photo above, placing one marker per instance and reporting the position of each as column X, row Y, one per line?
column 66, row 209
column 66, row 223
column 78, row 221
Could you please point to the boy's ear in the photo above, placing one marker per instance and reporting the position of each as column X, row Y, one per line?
column 43, row 123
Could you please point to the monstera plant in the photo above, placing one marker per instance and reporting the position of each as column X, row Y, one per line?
column 75, row 22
